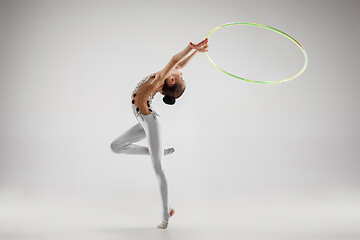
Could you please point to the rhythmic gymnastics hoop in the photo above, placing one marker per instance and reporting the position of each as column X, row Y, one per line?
column 266, row 27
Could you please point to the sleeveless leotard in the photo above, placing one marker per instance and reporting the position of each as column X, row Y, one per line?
column 135, row 108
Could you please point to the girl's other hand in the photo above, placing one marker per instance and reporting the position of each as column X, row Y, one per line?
column 202, row 46
column 203, row 49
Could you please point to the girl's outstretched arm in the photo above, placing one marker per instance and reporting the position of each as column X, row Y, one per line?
column 186, row 60
column 164, row 73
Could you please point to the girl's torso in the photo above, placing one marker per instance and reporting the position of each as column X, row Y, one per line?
column 142, row 96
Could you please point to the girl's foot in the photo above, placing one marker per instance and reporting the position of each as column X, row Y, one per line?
column 164, row 223
column 169, row 151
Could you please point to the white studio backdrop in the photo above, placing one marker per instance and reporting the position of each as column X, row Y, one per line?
column 68, row 69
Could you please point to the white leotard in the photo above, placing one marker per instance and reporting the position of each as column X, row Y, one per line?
column 136, row 108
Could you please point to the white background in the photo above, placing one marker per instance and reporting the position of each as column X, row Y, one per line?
column 246, row 154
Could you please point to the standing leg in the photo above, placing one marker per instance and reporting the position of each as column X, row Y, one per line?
column 151, row 125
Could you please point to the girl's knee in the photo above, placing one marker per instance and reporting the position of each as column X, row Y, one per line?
column 113, row 147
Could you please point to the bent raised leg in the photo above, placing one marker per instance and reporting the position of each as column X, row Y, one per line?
column 124, row 143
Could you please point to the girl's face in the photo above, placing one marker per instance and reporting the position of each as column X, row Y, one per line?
column 175, row 76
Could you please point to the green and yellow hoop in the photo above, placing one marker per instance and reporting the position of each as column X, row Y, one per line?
column 272, row 29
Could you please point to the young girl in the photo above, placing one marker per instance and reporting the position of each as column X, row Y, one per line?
column 170, row 83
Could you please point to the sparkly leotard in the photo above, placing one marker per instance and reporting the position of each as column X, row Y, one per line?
column 135, row 108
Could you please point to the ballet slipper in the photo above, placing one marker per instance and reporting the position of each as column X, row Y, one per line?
column 164, row 224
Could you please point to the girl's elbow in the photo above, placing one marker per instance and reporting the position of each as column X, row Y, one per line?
column 175, row 59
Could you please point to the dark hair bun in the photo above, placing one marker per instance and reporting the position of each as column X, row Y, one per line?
column 169, row 100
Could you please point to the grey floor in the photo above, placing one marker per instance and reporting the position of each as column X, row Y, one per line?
column 134, row 216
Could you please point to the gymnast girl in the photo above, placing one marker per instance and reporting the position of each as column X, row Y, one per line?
column 168, row 82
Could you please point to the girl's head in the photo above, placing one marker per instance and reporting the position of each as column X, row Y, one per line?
column 174, row 86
